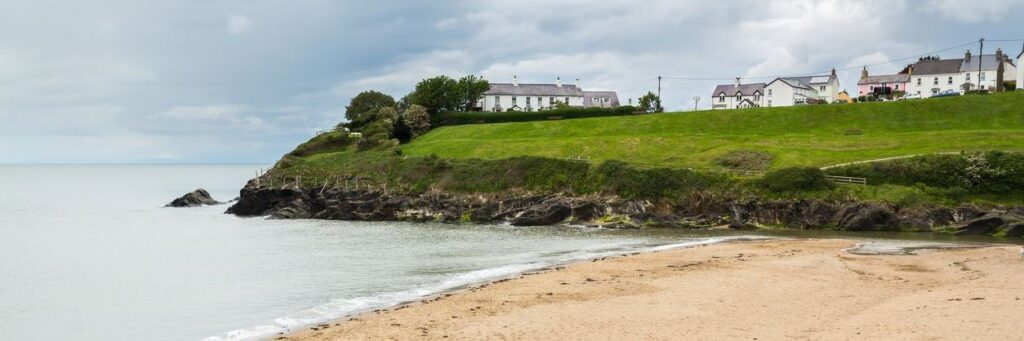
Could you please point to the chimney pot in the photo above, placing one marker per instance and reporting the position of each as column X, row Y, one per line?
column 515, row 80
column 737, row 83
column 967, row 56
column 558, row 81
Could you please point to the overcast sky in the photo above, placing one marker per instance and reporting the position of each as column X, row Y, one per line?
column 112, row 81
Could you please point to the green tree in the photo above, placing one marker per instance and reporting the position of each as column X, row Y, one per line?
column 418, row 120
column 651, row 103
column 437, row 94
column 379, row 128
column 365, row 102
column 472, row 88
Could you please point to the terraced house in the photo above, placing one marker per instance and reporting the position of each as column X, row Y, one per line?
column 985, row 72
column 517, row 96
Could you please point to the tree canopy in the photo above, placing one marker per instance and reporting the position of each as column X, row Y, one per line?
column 443, row 93
column 651, row 103
column 366, row 102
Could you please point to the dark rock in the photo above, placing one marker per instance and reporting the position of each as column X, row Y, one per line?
column 546, row 213
column 1015, row 230
column 195, row 198
column 987, row 223
column 866, row 216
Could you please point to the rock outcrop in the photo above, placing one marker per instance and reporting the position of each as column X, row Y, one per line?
column 195, row 198
column 612, row 212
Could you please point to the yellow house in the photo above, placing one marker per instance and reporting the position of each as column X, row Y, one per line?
column 844, row 96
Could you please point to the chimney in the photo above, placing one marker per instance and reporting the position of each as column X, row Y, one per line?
column 737, row 82
column 515, row 80
column 863, row 73
column 967, row 56
column 558, row 82
column 833, row 72
column 999, row 54
column 578, row 83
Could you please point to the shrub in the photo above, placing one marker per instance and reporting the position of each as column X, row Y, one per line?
column 990, row 172
column 460, row 118
column 745, row 160
column 795, row 179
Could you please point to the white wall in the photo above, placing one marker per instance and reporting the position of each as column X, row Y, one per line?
column 928, row 83
column 731, row 102
column 1020, row 74
column 505, row 101
column 782, row 95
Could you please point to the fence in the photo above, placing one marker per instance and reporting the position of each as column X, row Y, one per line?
column 847, row 180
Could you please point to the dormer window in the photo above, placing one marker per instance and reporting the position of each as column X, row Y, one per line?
column 721, row 97
column 739, row 96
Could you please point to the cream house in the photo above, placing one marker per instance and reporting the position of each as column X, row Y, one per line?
column 737, row 96
column 781, row 92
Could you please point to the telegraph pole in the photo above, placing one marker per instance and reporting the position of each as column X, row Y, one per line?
column 981, row 53
column 696, row 100
column 659, row 88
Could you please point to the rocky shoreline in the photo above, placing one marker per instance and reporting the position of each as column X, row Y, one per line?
column 613, row 212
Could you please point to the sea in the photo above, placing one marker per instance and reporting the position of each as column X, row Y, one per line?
column 88, row 252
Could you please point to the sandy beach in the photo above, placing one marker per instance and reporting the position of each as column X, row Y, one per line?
column 755, row 290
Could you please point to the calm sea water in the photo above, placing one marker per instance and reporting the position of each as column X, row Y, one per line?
column 89, row 253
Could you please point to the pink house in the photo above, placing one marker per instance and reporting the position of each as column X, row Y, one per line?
column 881, row 85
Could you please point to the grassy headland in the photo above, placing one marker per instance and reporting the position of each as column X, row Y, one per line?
column 795, row 136
column 647, row 156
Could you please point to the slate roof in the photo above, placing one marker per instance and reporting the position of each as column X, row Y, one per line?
column 988, row 63
column 812, row 80
column 793, row 82
column 533, row 90
column 588, row 98
column 901, row 78
column 938, row 67
column 745, row 89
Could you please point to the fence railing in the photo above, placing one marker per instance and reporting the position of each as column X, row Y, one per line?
column 847, row 180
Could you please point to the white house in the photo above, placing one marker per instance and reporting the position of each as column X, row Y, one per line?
column 781, row 92
column 530, row 97
column 600, row 99
column 930, row 77
column 1020, row 70
column 737, row 96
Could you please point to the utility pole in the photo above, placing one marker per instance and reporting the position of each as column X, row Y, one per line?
column 696, row 100
column 659, row 88
column 981, row 54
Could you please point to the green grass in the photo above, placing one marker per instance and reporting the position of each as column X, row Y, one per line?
column 795, row 136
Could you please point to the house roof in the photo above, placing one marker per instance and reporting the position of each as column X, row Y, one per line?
column 900, row 78
column 812, row 80
column 588, row 97
column 534, row 90
column 745, row 89
column 989, row 62
column 938, row 67
column 792, row 82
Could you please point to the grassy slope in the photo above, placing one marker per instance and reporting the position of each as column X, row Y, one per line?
column 807, row 135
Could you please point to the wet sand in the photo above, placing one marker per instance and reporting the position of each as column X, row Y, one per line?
column 756, row 290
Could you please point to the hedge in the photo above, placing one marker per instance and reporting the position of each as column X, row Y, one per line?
column 461, row 118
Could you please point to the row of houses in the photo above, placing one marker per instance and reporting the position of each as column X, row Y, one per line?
column 925, row 78
column 931, row 76
column 517, row 96
column 780, row 92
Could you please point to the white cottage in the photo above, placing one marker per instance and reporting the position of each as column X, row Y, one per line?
column 1020, row 70
column 530, row 97
column 737, row 96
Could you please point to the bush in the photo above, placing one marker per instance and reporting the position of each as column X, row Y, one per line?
column 619, row 178
column 745, row 160
column 795, row 179
column 460, row 118
column 991, row 172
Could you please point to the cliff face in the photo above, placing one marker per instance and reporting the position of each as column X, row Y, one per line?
column 608, row 211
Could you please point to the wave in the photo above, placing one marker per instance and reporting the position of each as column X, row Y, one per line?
column 340, row 308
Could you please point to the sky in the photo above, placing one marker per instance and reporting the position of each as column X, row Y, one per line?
column 223, row 81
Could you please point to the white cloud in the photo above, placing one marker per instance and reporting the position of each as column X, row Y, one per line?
column 977, row 10
column 239, row 24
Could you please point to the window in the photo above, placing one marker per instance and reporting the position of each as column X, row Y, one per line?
column 968, row 75
column 897, row 87
column 936, row 81
column 721, row 98
column 528, row 101
column 551, row 101
column 950, row 82
column 769, row 92
column 918, row 81
column 567, row 101
column 769, row 103
column 539, row 100
column 513, row 101
column 982, row 76
column 822, row 88
column 871, row 87
column 739, row 97
column 497, row 100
